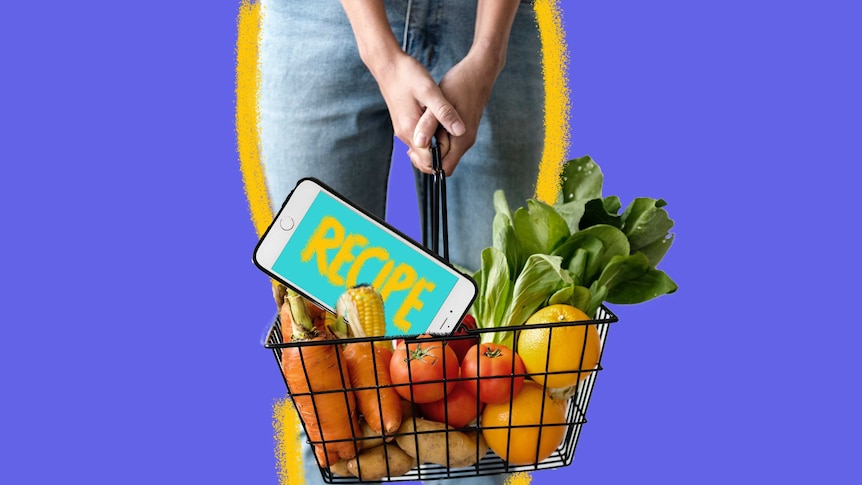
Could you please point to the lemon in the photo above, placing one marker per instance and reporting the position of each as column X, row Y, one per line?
column 537, row 425
column 571, row 350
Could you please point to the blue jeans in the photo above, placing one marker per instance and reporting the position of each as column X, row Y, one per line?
column 322, row 115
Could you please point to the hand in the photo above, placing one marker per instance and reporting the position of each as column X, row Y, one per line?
column 467, row 86
column 411, row 94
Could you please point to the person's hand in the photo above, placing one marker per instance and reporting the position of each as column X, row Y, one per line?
column 467, row 86
column 411, row 94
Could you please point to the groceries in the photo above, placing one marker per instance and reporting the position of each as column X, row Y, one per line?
column 508, row 391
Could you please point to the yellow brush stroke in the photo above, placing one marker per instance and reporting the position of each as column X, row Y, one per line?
column 554, row 62
column 554, row 68
column 285, row 420
column 520, row 478
column 248, row 114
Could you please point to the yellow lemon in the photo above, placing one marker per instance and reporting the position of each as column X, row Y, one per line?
column 531, row 443
column 573, row 350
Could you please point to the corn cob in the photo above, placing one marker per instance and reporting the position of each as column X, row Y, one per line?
column 363, row 307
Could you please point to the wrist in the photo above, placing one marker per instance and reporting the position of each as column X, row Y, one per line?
column 488, row 55
column 380, row 55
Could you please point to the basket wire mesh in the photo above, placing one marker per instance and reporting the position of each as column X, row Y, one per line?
column 434, row 228
column 489, row 463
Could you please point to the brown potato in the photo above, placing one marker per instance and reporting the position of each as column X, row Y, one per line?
column 340, row 468
column 370, row 438
column 382, row 461
column 431, row 437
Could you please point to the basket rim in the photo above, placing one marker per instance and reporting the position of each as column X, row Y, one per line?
column 610, row 317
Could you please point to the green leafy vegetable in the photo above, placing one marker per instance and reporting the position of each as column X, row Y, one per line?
column 507, row 242
column 645, row 221
column 539, row 227
column 596, row 213
column 542, row 276
column 651, row 284
column 492, row 303
column 581, row 180
column 580, row 251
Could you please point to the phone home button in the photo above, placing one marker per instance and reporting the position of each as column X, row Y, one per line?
column 286, row 223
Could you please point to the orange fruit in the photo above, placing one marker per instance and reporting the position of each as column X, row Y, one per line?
column 528, row 445
column 561, row 348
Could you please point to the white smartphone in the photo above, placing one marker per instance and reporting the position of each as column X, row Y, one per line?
column 320, row 244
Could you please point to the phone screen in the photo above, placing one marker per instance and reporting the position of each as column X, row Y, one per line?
column 332, row 246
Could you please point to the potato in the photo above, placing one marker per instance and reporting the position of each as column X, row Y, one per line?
column 380, row 462
column 340, row 468
column 432, row 436
column 370, row 438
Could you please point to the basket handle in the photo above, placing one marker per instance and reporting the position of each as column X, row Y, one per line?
column 435, row 223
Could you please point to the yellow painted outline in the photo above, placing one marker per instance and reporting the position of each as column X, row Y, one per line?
column 286, row 424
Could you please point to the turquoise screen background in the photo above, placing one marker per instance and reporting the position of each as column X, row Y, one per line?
column 306, row 274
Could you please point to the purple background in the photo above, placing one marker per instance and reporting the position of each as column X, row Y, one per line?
column 131, row 313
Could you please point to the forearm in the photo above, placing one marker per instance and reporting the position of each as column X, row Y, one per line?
column 374, row 37
column 494, row 20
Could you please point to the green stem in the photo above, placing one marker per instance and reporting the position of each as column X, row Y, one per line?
column 303, row 326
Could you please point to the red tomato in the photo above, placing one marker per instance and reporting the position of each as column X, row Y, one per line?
column 423, row 362
column 462, row 345
column 499, row 370
column 460, row 407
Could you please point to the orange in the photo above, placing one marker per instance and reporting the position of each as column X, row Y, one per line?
column 561, row 348
column 527, row 410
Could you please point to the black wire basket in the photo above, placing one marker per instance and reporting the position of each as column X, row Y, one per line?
column 484, row 461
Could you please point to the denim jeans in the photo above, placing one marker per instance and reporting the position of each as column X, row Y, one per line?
column 322, row 115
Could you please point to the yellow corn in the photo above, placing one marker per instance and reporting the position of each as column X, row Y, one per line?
column 363, row 306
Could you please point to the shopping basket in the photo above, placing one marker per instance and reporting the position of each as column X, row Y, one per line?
column 481, row 459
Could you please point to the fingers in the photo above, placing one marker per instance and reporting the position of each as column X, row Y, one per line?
column 420, row 157
column 456, row 149
column 450, row 161
column 425, row 128
column 444, row 112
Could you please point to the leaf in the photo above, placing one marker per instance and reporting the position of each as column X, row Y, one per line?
column 478, row 308
column 507, row 242
column 497, row 288
column 596, row 213
column 579, row 262
column 651, row 284
column 539, row 228
column 541, row 277
column 601, row 242
column 501, row 205
column 581, row 179
column 572, row 213
column 574, row 295
column 656, row 250
column 622, row 268
column 598, row 294
column 585, row 251
column 645, row 221
column 612, row 204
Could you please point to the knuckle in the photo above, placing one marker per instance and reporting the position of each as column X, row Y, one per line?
column 446, row 112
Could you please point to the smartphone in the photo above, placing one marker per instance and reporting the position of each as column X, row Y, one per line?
column 320, row 244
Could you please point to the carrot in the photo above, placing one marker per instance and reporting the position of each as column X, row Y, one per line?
column 378, row 402
column 330, row 418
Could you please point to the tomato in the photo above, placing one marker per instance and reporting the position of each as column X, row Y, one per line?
column 496, row 370
column 462, row 345
column 460, row 407
column 423, row 362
